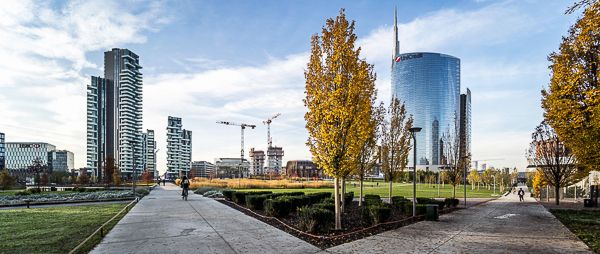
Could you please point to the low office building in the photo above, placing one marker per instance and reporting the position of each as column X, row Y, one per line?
column 21, row 155
column 203, row 169
column 303, row 168
column 61, row 160
column 231, row 168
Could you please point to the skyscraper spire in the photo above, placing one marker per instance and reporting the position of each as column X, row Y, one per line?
column 396, row 42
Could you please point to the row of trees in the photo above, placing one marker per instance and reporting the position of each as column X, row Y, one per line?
column 348, row 132
column 564, row 147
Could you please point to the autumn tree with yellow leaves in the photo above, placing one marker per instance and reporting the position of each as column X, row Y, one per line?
column 572, row 100
column 395, row 141
column 340, row 94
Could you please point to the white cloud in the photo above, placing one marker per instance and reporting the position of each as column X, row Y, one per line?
column 42, row 53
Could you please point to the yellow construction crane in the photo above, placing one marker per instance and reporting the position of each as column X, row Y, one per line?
column 243, row 127
column 268, row 123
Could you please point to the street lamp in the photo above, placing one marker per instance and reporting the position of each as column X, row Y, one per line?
column 413, row 131
column 494, row 176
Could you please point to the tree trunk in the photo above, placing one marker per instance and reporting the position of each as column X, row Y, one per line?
column 336, row 197
column 360, row 191
column 454, row 191
column 557, row 194
column 390, row 190
column 343, row 196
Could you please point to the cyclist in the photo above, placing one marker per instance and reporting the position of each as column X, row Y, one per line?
column 185, row 184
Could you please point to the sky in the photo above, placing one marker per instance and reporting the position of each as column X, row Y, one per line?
column 244, row 61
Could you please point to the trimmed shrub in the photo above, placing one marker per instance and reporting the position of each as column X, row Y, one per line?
column 277, row 207
column 22, row 193
column 228, row 194
column 365, row 215
column 421, row 209
column 240, row 197
column 256, row 202
column 203, row 190
column 425, row 201
column 371, row 199
column 380, row 213
column 348, row 198
column 37, row 190
column 314, row 219
column 451, row 202
column 296, row 201
column 328, row 206
column 318, row 196
column 398, row 201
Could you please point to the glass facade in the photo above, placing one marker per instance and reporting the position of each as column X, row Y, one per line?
column 429, row 86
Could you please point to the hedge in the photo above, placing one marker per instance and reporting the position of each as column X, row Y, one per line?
column 451, row 202
column 277, row 207
column 325, row 205
column 318, row 196
column 380, row 213
column 348, row 198
column 256, row 202
column 371, row 199
column 240, row 197
column 228, row 194
column 313, row 219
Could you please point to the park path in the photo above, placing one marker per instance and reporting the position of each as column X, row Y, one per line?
column 163, row 223
column 504, row 225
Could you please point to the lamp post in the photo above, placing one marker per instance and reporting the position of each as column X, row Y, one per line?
column 494, row 176
column 414, row 130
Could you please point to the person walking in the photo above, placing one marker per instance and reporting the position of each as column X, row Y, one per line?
column 185, row 185
column 521, row 194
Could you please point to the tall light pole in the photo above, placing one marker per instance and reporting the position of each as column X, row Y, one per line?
column 494, row 176
column 414, row 130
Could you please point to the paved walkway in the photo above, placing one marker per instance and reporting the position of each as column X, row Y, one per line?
column 163, row 223
column 504, row 225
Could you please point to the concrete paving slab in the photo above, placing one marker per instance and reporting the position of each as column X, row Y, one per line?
column 504, row 225
column 163, row 223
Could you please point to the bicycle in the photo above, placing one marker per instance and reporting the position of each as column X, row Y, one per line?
column 184, row 194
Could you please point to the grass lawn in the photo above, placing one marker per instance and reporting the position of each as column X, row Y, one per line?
column 54, row 229
column 400, row 189
column 584, row 224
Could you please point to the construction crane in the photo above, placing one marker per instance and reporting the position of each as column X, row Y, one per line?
column 243, row 127
column 268, row 123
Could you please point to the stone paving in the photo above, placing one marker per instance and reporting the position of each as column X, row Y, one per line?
column 163, row 223
column 504, row 225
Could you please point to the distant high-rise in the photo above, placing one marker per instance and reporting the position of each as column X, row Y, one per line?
column 202, row 169
column 429, row 86
column 21, row 155
column 114, row 114
column 465, row 124
column 179, row 148
column 275, row 159
column 149, row 152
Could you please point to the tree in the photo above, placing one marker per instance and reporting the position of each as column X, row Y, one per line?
column 487, row 177
column 452, row 159
column 110, row 167
column 474, row 178
column 538, row 182
column 83, row 177
column 116, row 176
column 368, row 156
column 550, row 155
column 6, row 180
column 339, row 88
column 395, row 141
column 572, row 100
column 38, row 168
column 146, row 177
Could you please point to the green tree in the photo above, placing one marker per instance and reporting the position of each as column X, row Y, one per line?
column 572, row 100
column 339, row 89
column 6, row 180
column 367, row 158
column 451, row 158
column 395, row 142
column 474, row 178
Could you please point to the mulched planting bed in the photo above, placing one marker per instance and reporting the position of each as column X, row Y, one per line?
column 353, row 228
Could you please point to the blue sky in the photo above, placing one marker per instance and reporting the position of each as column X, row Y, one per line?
column 243, row 61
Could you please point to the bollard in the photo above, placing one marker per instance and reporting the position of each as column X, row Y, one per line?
column 27, row 202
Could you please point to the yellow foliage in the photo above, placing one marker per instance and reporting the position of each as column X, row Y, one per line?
column 245, row 183
column 538, row 182
column 177, row 181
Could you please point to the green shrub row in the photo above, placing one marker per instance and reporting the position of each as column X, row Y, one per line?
column 314, row 219
column 451, row 202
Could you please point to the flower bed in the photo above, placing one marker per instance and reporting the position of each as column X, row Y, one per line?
column 310, row 217
column 68, row 197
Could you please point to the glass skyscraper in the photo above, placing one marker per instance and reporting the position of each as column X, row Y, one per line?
column 429, row 86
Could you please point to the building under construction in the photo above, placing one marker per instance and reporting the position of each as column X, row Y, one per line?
column 258, row 162
column 274, row 160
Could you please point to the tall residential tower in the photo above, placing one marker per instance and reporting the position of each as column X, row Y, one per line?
column 114, row 114
column 179, row 149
